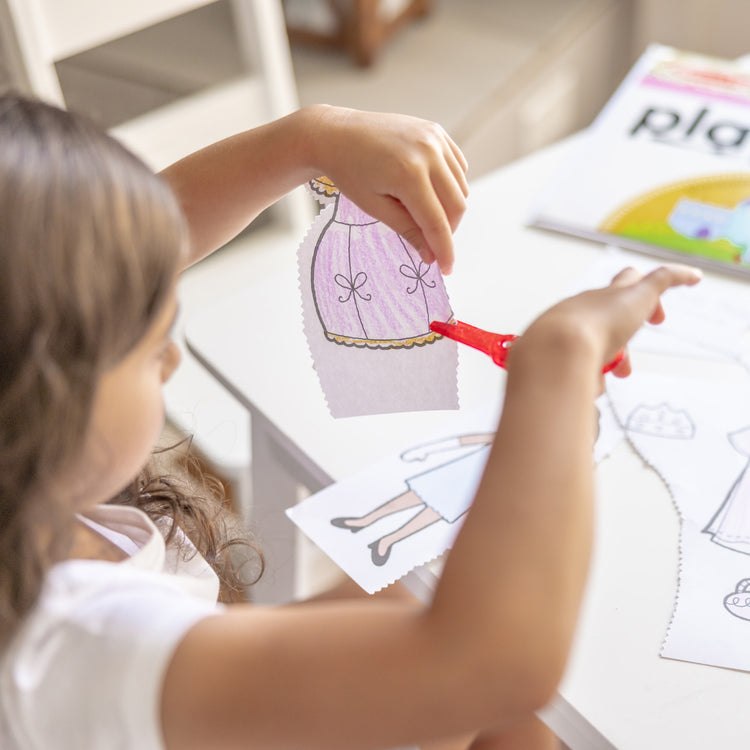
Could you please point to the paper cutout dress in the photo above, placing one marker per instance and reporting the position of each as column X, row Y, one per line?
column 369, row 286
column 367, row 303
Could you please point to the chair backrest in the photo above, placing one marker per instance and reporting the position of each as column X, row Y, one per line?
column 36, row 35
column 39, row 34
column 69, row 27
column 47, row 31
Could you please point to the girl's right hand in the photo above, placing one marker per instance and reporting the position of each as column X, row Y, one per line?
column 600, row 322
column 402, row 170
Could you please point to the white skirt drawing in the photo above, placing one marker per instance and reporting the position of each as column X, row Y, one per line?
column 730, row 525
column 449, row 489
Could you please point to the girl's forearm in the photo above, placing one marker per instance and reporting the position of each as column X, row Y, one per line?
column 401, row 170
column 224, row 186
column 526, row 542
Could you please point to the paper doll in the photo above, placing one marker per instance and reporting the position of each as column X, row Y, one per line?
column 730, row 526
column 370, row 287
column 444, row 492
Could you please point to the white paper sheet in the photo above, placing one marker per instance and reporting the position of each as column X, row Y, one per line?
column 436, row 478
column 695, row 435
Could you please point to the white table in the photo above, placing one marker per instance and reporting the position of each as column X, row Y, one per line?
column 617, row 691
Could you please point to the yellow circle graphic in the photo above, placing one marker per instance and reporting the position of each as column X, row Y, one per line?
column 705, row 216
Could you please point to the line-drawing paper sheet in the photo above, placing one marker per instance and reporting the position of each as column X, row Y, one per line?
column 406, row 510
column 367, row 303
column 695, row 434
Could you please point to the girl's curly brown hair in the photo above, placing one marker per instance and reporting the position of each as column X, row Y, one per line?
column 90, row 243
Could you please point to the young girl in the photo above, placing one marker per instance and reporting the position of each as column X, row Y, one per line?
column 111, row 634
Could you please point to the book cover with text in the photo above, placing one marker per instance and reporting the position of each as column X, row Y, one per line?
column 665, row 167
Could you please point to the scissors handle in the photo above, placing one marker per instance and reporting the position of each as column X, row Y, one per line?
column 497, row 345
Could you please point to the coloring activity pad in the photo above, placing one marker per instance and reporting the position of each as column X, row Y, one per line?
column 665, row 167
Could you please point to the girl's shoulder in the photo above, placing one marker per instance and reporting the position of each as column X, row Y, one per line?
column 90, row 657
column 142, row 543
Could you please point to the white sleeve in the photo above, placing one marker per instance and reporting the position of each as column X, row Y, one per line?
column 86, row 670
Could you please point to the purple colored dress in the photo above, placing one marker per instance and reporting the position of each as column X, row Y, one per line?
column 370, row 287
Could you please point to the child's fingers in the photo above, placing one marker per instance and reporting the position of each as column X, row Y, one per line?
column 641, row 295
column 394, row 213
column 458, row 166
column 458, row 154
column 652, row 285
column 429, row 229
column 662, row 278
column 624, row 366
column 665, row 277
column 627, row 275
column 450, row 194
column 435, row 201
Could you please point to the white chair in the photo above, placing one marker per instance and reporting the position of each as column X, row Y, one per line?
column 173, row 58
column 40, row 36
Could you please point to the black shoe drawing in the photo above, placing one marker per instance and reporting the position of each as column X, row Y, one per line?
column 377, row 558
column 341, row 523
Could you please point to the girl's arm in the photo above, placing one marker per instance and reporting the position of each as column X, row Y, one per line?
column 402, row 170
column 492, row 645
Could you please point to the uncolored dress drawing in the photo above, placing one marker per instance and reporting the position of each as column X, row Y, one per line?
column 730, row 525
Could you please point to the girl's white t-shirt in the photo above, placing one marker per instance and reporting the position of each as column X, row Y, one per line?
column 85, row 670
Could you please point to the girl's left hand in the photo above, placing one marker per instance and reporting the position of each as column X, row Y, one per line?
column 402, row 170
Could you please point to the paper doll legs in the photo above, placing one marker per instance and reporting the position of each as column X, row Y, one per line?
column 381, row 548
column 402, row 502
column 442, row 492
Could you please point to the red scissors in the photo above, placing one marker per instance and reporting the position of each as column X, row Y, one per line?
column 497, row 345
